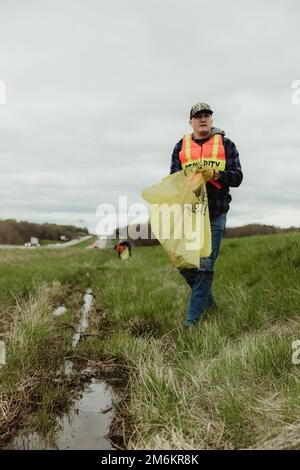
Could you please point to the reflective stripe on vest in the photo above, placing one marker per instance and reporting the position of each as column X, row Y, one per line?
column 210, row 153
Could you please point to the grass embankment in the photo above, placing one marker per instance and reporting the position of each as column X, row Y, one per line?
column 50, row 242
column 86, row 243
column 229, row 384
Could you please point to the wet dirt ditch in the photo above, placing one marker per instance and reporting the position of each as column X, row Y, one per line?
column 88, row 418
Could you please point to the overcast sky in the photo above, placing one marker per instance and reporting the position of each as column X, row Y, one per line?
column 98, row 93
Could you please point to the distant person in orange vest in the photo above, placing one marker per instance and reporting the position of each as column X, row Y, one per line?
column 217, row 158
column 121, row 247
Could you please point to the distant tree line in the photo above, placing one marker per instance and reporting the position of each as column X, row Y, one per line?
column 231, row 232
column 257, row 229
column 18, row 233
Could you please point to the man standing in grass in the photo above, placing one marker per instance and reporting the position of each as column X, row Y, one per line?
column 219, row 163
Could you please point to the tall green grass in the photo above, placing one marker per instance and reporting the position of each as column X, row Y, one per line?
column 32, row 284
column 231, row 382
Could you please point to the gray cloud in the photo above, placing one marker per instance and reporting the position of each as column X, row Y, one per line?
column 98, row 94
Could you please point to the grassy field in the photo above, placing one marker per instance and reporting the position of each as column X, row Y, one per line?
column 229, row 384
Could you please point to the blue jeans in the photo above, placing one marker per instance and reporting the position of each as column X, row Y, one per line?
column 200, row 280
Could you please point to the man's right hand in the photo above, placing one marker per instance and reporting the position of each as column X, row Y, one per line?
column 207, row 172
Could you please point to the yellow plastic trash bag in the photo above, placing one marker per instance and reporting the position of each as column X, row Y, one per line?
column 124, row 254
column 179, row 217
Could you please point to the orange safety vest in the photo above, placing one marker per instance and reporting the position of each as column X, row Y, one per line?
column 210, row 153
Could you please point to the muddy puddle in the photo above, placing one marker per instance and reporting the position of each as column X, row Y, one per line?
column 84, row 320
column 83, row 428
column 88, row 421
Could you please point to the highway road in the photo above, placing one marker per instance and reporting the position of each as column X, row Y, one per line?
column 59, row 245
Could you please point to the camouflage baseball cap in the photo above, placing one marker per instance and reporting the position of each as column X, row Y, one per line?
column 200, row 107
